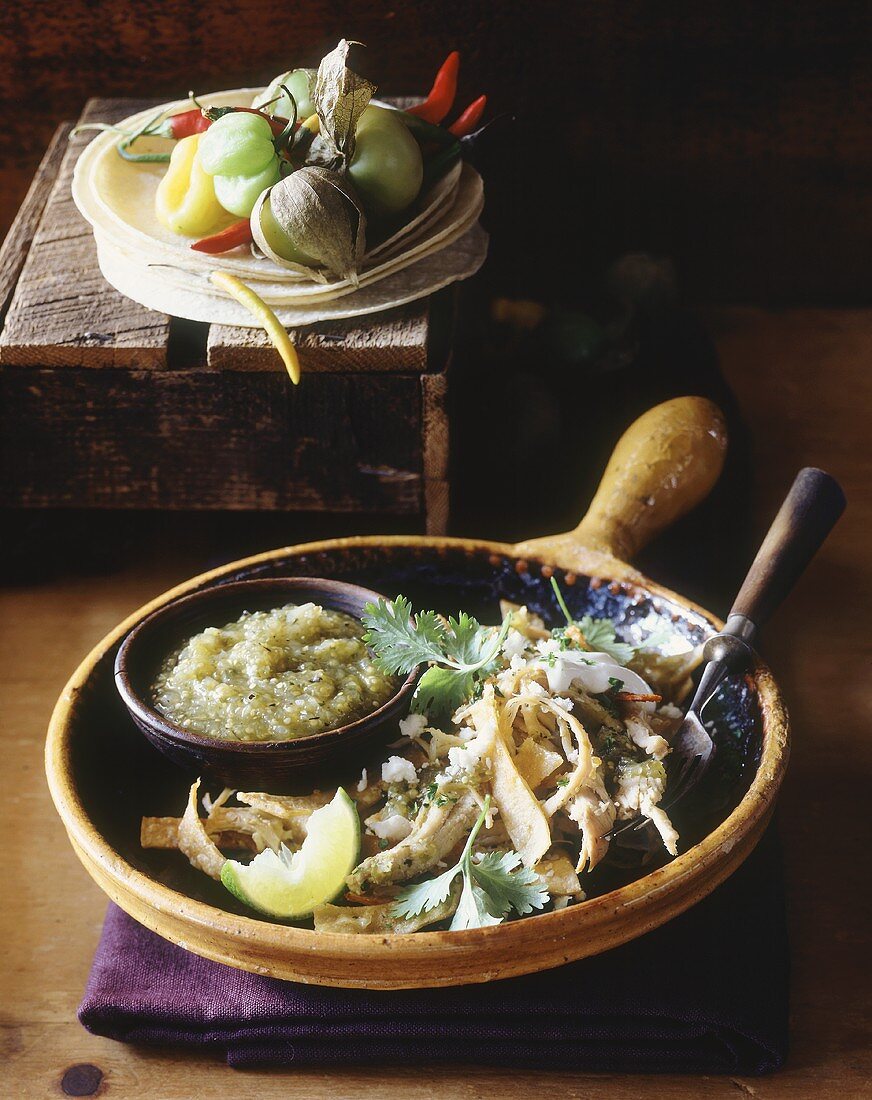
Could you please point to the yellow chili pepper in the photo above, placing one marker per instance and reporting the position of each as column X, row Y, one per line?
column 273, row 327
column 185, row 201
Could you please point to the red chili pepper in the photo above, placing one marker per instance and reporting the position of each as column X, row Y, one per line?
column 470, row 118
column 231, row 237
column 183, row 125
column 439, row 102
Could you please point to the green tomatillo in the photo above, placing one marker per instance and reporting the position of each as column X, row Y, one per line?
column 386, row 168
column 275, row 100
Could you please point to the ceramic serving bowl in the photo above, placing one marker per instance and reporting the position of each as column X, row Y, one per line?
column 104, row 775
column 258, row 765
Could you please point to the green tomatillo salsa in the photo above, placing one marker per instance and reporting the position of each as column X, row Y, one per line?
column 273, row 676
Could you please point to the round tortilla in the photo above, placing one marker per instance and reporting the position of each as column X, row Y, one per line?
column 197, row 299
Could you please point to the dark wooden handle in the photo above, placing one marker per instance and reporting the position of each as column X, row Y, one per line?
column 808, row 514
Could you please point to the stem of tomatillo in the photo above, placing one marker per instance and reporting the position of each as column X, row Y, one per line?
column 283, row 141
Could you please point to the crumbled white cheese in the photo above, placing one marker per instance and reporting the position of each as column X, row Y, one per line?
column 395, row 828
column 562, row 701
column 548, row 645
column 464, row 758
column 397, row 770
column 515, row 644
column 517, row 663
column 364, row 782
column 414, row 725
column 669, row 710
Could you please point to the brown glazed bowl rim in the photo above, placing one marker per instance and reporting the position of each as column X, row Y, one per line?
column 135, row 645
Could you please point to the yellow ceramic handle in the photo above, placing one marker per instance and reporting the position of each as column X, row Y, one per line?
column 665, row 463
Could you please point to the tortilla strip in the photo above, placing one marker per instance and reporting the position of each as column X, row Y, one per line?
column 524, row 621
column 559, row 875
column 293, row 811
column 519, row 808
column 159, row 832
column 379, row 919
column 584, row 766
column 195, row 842
column 228, row 826
column 535, row 762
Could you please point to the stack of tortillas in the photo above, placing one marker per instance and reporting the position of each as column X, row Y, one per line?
column 440, row 243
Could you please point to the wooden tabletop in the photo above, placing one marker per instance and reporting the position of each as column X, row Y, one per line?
column 804, row 383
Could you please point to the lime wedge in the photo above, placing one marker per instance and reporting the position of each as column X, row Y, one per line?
column 289, row 885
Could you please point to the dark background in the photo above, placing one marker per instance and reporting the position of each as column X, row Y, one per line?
column 731, row 141
column 733, row 137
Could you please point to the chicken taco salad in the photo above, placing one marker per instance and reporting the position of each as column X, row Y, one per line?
column 524, row 748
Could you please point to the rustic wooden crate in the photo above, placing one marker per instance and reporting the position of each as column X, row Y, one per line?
column 106, row 404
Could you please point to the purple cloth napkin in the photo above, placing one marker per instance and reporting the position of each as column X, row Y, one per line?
column 707, row 993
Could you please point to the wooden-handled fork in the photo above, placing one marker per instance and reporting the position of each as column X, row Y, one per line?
column 808, row 514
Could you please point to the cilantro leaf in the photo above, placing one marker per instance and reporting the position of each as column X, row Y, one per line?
column 508, row 885
column 492, row 887
column 473, row 909
column 462, row 654
column 398, row 643
column 440, row 692
column 426, row 895
column 466, row 639
column 600, row 635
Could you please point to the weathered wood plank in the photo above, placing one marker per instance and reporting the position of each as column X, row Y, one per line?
column 395, row 340
column 63, row 313
column 14, row 249
column 200, row 439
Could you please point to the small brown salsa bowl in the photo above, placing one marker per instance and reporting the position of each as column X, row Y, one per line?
column 261, row 765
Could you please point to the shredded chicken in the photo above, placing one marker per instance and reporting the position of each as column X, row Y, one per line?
column 642, row 735
column 435, row 832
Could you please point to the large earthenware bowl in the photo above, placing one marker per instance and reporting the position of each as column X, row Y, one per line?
column 104, row 775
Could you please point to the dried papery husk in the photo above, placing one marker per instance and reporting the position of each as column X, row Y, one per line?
column 340, row 97
column 320, row 212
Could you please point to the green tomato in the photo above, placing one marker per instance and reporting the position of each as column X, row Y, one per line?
column 387, row 167
column 238, row 194
column 280, row 242
column 299, row 83
column 238, row 144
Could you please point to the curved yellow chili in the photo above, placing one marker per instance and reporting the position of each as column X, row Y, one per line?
column 273, row 327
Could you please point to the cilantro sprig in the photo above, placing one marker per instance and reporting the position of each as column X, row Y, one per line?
column 493, row 886
column 599, row 634
column 461, row 654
